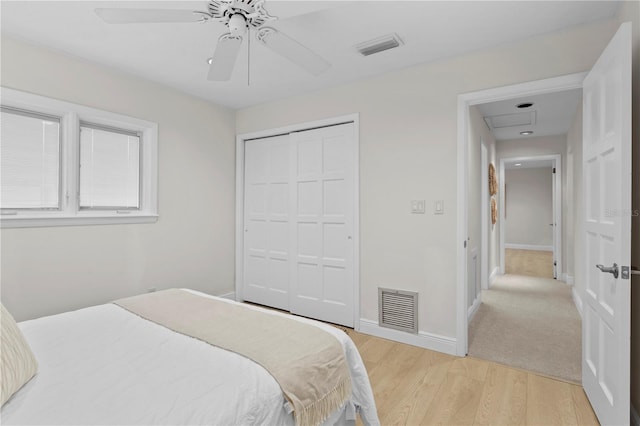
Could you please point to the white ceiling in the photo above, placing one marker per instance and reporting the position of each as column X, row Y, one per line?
column 553, row 114
column 176, row 54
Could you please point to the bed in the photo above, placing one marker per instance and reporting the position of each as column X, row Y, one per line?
column 107, row 365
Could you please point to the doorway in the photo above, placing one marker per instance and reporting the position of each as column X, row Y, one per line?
column 603, row 170
column 531, row 227
column 526, row 318
column 465, row 103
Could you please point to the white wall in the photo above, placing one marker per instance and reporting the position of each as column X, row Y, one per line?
column 573, row 194
column 408, row 124
column 543, row 145
column 529, row 206
column 50, row 270
column 575, row 260
column 480, row 133
column 474, row 194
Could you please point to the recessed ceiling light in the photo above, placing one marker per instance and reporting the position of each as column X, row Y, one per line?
column 518, row 164
column 526, row 132
column 525, row 105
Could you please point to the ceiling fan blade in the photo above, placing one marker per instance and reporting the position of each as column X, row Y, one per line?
column 136, row 16
column 224, row 58
column 300, row 55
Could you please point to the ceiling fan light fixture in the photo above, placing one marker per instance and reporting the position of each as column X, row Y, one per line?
column 237, row 25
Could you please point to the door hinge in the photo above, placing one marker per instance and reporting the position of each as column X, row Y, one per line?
column 554, row 170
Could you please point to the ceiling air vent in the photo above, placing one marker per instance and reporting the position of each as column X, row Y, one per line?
column 398, row 309
column 379, row 44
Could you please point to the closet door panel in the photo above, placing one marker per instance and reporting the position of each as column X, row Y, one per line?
column 323, row 282
column 267, row 223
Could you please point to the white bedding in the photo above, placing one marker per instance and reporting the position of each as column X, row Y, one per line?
column 105, row 365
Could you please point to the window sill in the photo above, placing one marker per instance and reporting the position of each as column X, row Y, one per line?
column 35, row 221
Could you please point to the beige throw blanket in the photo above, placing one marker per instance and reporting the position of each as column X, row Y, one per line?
column 307, row 362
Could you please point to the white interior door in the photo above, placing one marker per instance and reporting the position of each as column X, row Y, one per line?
column 323, row 280
column 267, row 233
column 607, row 230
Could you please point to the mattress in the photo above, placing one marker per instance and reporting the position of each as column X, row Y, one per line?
column 105, row 365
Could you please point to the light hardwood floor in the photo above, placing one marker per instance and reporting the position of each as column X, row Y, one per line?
column 414, row 386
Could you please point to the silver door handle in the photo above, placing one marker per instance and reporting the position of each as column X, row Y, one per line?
column 609, row 269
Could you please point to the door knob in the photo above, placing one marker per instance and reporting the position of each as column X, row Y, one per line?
column 609, row 269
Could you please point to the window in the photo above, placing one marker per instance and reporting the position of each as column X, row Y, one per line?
column 29, row 160
column 109, row 168
column 67, row 164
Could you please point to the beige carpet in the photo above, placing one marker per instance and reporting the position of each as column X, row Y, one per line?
column 529, row 323
column 533, row 263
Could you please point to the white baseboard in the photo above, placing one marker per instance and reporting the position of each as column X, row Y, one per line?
column 635, row 419
column 473, row 309
column 231, row 296
column 424, row 340
column 577, row 300
column 568, row 279
column 528, row 247
column 494, row 275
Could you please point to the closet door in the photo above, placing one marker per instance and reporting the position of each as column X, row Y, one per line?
column 322, row 268
column 267, row 233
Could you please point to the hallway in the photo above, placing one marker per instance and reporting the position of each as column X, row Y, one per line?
column 529, row 323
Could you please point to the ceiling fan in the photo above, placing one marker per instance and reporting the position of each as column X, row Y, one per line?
column 239, row 16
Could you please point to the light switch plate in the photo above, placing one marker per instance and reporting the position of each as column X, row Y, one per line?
column 418, row 206
column 438, row 207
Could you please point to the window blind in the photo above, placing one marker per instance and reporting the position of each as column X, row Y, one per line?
column 29, row 160
column 109, row 168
